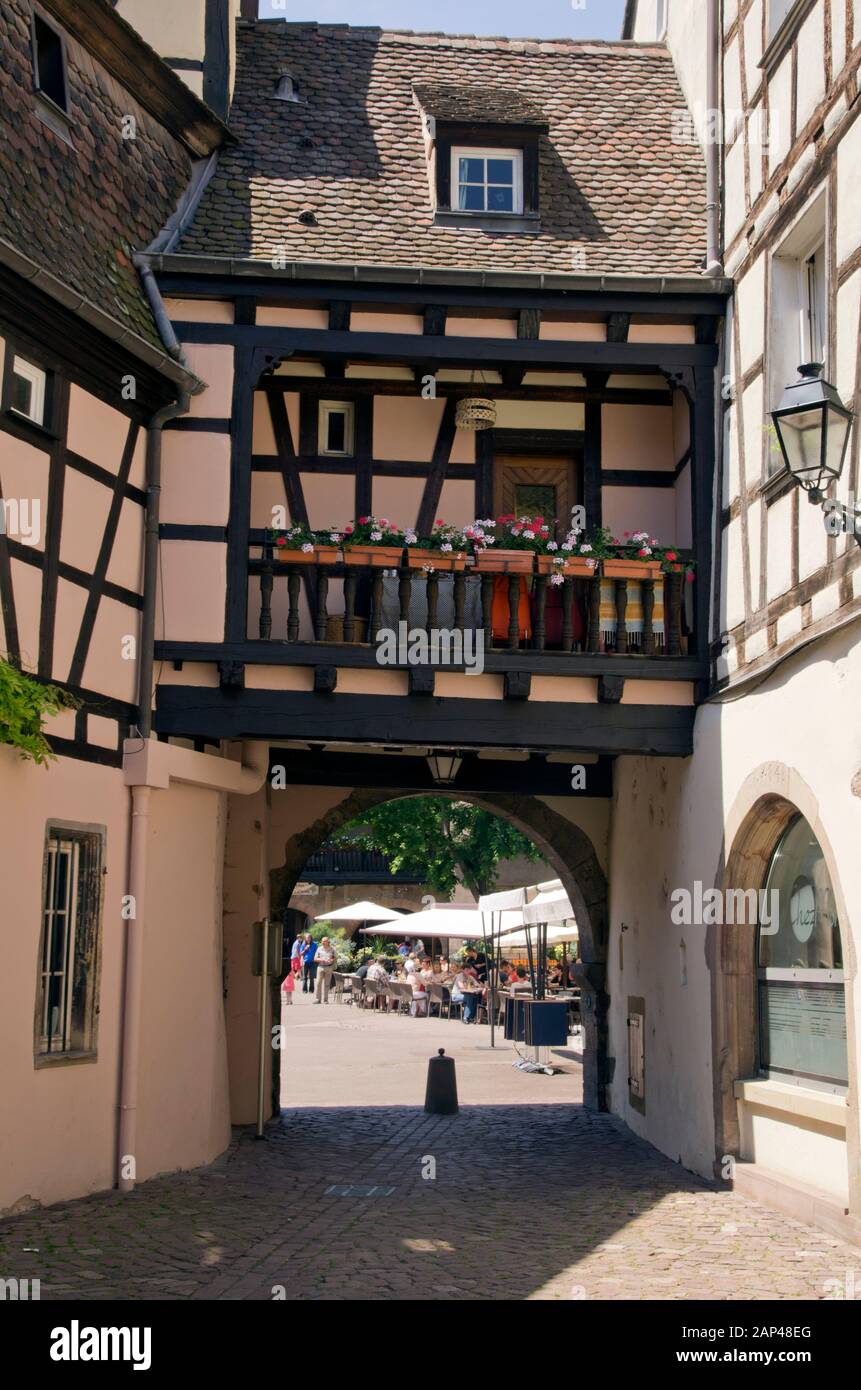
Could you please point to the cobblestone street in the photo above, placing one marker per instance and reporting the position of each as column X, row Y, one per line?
column 534, row 1197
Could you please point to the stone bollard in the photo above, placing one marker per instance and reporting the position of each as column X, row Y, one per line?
column 441, row 1093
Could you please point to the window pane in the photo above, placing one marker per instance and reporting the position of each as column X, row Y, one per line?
column 471, row 170
column 535, row 499
column 22, row 394
column 337, row 432
column 808, row 932
column 471, row 198
column 49, row 56
column 500, row 171
column 802, row 1030
column 500, row 199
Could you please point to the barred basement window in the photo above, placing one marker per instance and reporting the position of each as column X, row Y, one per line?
column 67, row 995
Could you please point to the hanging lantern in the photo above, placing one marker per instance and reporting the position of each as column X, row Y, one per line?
column 475, row 412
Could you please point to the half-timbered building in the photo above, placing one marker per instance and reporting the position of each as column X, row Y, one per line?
column 391, row 233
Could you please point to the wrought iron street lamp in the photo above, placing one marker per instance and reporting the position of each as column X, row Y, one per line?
column 812, row 426
column 444, row 765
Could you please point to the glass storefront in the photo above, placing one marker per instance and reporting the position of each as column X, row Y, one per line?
column 802, row 1013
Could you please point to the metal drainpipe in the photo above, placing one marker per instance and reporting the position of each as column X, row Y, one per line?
column 141, row 795
column 714, row 265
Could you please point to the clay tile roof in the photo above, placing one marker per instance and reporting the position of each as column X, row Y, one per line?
column 469, row 102
column 618, row 193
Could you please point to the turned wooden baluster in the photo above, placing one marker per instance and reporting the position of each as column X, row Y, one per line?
column 567, row 614
column 405, row 589
column 672, row 612
column 513, row 612
column 648, row 610
column 376, row 603
column 459, row 600
column 433, row 601
column 487, row 609
column 540, row 604
column 294, row 581
column 266, row 579
column 621, row 609
column 322, row 595
column 593, row 640
column 350, row 579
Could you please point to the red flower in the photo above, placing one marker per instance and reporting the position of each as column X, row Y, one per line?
column 348, row 530
column 671, row 555
column 538, row 521
column 282, row 540
column 642, row 554
column 626, row 534
column 363, row 521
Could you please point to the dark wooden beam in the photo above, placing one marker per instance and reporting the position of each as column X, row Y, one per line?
column 290, row 474
column 351, row 386
column 434, row 320
column 53, row 531
column 406, row 348
column 592, row 448
column 340, row 312
column 194, row 711
column 241, row 437
column 429, row 507
column 410, row 773
column 617, row 328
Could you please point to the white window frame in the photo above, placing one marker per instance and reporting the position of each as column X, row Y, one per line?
column 487, row 152
column 348, row 410
column 38, row 379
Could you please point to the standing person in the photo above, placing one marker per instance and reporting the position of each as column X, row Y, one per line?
column 309, row 969
column 325, row 963
column 296, row 954
column 288, row 988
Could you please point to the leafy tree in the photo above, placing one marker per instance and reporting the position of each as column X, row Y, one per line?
column 442, row 842
column 25, row 704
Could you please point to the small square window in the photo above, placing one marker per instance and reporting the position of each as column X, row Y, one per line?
column 486, row 180
column 49, row 63
column 336, row 428
column 28, row 390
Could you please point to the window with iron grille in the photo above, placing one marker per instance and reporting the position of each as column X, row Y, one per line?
column 67, row 995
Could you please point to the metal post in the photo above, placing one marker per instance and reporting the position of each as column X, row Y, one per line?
column 261, row 1065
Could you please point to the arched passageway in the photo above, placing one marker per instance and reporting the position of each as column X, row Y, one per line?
column 563, row 844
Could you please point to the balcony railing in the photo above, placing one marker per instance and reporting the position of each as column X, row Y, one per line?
column 337, row 603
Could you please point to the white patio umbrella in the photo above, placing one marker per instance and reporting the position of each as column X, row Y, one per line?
column 443, row 922
column 361, row 912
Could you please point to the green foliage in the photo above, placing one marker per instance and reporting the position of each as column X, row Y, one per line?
column 25, row 704
column 344, row 948
column 442, row 842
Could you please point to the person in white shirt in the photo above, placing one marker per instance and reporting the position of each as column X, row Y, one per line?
column 325, row 962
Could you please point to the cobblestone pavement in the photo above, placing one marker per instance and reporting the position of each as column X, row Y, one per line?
column 533, row 1198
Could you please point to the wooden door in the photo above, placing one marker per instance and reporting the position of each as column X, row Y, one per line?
column 529, row 486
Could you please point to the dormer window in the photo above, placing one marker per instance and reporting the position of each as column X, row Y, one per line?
column 487, row 180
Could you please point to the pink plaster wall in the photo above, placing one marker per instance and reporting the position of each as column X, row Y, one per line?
column 106, row 668
column 192, row 591
column 195, row 485
column 24, row 476
column 650, row 509
column 85, row 513
column 96, row 430
column 637, row 436
column 560, row 330
column 213, row 362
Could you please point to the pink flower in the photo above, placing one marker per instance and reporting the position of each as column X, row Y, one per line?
column 348, row 530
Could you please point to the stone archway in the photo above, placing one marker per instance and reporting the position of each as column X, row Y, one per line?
column 563, row 844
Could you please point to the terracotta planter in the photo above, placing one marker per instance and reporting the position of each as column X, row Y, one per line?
column 631, row 569
column 572, row 565
column 492, row 561
column 320, row 555
column 442, row 560
column 385, row 557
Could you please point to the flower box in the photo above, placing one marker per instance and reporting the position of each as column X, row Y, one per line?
column 631, row 569
column 568, row 565
column 320, row 555
column 442, row 560
column 492, row 561
column 386, row 557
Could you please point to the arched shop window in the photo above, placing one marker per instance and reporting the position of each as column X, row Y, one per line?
column 802, row 1010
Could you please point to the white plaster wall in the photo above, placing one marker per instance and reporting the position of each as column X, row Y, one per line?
column 668, row 826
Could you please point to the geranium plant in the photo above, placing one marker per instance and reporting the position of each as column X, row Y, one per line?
column 639, row 545
column 372, row 530
column 297, row 537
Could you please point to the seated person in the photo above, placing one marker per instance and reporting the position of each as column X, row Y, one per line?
column 467, row 990
column 419, row 1006
column 518, row 981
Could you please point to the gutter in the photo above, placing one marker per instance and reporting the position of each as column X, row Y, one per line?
column 428, row 276
column 106, row 324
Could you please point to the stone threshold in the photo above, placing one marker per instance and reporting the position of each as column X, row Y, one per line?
column 799, row 1200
